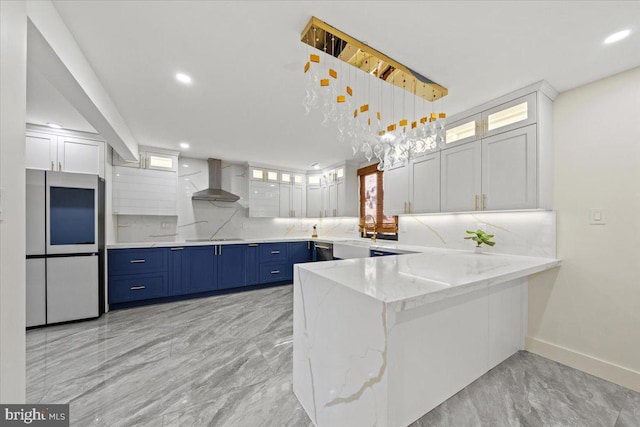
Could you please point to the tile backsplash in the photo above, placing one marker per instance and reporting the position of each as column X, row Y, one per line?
column 519, row 233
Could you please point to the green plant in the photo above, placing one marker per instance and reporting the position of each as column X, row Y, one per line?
column 480, row 237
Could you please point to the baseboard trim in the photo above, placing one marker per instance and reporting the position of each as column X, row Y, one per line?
column 597, row 367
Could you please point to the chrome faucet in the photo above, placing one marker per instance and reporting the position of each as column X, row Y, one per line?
column 375, row 227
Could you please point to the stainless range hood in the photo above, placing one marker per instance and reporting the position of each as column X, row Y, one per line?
column 215, row 193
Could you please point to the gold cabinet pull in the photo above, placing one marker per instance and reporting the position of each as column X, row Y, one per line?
column 59, row 166
column 475, row 202
column 52, row 166
column 484, row 202
column 405, row 207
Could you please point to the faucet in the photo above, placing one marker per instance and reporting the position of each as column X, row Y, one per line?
column 375, row 227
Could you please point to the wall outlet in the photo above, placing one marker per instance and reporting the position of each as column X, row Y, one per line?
column 164, row 225
column 597, row 216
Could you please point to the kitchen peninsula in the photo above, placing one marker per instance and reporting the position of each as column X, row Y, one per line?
column 382, row 341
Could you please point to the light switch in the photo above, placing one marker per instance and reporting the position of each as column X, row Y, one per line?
column 597, row 216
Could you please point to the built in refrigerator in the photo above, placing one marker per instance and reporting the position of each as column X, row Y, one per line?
column 65, row 250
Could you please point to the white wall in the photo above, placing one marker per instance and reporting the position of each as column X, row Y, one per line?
column 13, row 81
column 590, row 317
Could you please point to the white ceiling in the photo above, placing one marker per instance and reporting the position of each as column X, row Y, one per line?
column 246, row 62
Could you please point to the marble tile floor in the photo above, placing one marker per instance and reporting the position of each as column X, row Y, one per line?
column 226, row 361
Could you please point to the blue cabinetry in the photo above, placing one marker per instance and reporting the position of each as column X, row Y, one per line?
column 137, row 274
column 251, row 264
column 231, row 266
column 202, row 269
column 151, row 273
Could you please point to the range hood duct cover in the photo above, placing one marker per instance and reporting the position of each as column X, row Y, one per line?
column 215, row 193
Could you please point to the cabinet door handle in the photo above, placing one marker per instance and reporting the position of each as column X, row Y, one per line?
column 219, row 250
column 275, row 252
column 52, row 166
column 322, row 247
column 275, row 271
column 215, row 250
column 308, row 245
column 251, row 245
column 59, row 166
column 294, row 213
column 405, row 208
column 177, row 249
column 378, row 253
column 484, row 202
column 410, row 208
column 475, row 202
column 137, row 288
column 137, row 261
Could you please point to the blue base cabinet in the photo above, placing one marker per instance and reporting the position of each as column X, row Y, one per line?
column 251, row 264
column 152, row 273
column 137, row 274
column 231, row 266
column 191, row 270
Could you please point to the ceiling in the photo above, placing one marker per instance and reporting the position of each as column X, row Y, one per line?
column 245, row 58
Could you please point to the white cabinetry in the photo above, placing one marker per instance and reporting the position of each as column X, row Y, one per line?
column 139, row 191
column 264, row 199
column 461, row 177
column 292, row 203
column 424, row 184
column 150, row 158
column 333, row 193
column 414, row 187
column 65, row 153
column 509, row 170
column 396, row 190
column 499, row 156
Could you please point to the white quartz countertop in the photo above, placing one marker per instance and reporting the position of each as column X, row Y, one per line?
column 429, row 275
column 381, row 245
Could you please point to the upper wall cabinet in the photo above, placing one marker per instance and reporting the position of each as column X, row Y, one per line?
column 413, row 188
column 146, row 187
column 499, row 156
column 504, row 117
column 48, row 151
column 150, row 158
column 333, row 193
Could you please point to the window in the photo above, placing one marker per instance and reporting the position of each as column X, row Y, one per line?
column 371, row 206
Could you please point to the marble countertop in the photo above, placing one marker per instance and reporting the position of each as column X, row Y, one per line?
column 427, row 276
column 385, row 246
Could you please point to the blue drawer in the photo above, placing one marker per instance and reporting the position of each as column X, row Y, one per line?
column 136, row 261
column 273, row 252
column 276, row 272
column 137, row 287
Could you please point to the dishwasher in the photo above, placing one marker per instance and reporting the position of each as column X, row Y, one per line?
column 324, row 251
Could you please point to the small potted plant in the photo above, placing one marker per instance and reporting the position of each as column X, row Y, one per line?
column 480, row 237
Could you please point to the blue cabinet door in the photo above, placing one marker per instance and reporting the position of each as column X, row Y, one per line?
column 179, row 270
column 251, row 266
column 230, row 260
column 202, row 268
column 299, row 252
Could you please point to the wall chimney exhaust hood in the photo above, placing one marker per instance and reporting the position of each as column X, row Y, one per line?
column 215, row 193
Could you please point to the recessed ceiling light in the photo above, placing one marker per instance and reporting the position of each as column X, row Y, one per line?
column 184, row 145
column 54, row 125
column 185, row 166
column 616, row 37
column 183, row 78
column 315, row 165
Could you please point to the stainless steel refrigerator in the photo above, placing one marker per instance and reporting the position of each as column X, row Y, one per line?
column 65, row 249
